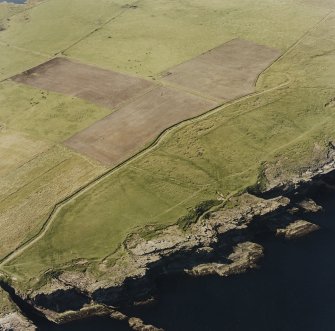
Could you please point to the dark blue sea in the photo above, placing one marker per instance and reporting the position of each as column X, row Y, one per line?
column 14, row 1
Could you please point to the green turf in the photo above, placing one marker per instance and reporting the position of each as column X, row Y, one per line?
column 44, row 114
column 14, row 61
column 32, row 188
column 185, row 29
column 37, row 33
column 55, row 25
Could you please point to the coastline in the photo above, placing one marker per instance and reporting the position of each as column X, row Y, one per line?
column 220, row 243
column 245, row 176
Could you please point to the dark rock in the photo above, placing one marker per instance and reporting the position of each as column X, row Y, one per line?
column 297, row 229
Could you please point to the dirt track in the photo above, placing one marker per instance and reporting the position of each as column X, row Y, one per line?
column 226, row 72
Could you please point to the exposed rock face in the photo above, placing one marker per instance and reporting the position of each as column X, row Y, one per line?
column 297, row 229
column 116, row 315
column 172, row 250
column 322, row 162
column 59, row 297
column 10, row 315
column 15, row 322
column 310, row 206
column 86, row 311
column 245, row 256
column 129, row 278
column 202, row 235
column 137, row 325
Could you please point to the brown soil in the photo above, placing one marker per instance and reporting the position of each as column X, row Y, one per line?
column 126, row 131
column 145, row 110
column 226, row 72
column 103, row 87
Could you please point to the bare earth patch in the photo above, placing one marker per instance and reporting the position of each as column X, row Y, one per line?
column 226, row 72
column 99, row 86
column 123, row 133
column 145, row 110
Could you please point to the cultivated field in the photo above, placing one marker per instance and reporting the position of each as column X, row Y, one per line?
column 226, row 72
column 126, row 131
column 103, row 87
column 287, row 122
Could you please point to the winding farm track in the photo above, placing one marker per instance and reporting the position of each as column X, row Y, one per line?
column 56, row 209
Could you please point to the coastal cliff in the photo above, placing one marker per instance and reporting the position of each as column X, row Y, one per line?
column 10, row 316
column 221, row 241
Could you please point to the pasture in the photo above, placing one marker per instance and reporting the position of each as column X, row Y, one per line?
column 45, row 115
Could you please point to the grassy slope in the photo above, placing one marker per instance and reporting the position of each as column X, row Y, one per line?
column 221, row 153
column 39, row 32
column 43, row 114
column 184, row 29
column 54, row 25
column 13, row 59
column 29, row 192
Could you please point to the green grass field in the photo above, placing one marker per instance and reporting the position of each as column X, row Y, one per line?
column 29, row 192
column 185, row 29
column 217, row 154
column 45, row 115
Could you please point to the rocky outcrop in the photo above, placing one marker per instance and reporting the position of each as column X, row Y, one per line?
column 11, row 319
column 321, row 163
column 245, row 256
column 59, row 297
column 219, row 242
column 297, row 229
column 138, row 325
column 116, row 315
column 15, row 322
column 174, row 249
column 309, row 206
column 73, row 315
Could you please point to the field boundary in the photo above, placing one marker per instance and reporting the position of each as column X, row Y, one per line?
column 120, row 13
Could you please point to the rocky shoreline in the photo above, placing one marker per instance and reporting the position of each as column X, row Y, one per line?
column 10, row 316
column 220, row 242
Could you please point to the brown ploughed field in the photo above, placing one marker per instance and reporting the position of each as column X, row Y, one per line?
column 96, row 85
column 126, row 131
column 226, row 72
column 145, row 109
